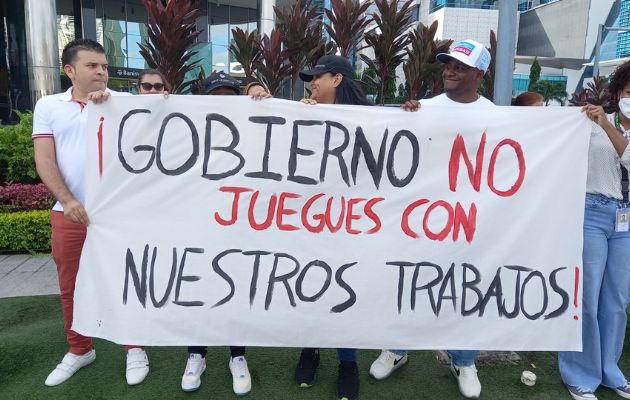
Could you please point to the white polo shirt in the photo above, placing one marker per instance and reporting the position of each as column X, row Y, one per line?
column 63, row 118
column 444, row 99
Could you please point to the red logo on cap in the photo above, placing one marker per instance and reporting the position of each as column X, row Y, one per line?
column 462, row 49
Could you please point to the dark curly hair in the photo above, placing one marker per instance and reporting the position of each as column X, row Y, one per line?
column 619, row 80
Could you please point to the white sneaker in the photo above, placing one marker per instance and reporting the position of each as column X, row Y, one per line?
column 581, row 393
column 386, row 363
column 70, row 364
column 467, row 380
column 241, row 380
column 137, row 366
column 191, row 380
column 623, row 390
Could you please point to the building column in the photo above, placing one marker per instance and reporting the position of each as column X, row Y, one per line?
column 84, row 19
column 202, row 23
column 506, row 51
column 42, row 48
column 267, row 19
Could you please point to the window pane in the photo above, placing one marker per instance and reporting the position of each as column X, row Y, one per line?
column 133, row 49
column 220, row 58
column 219, row 18
column 65, row 31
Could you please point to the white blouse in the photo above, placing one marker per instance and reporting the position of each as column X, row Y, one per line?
column 604, row 172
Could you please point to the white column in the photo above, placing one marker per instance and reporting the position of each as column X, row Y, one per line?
column 42, row 48
column 267, row 16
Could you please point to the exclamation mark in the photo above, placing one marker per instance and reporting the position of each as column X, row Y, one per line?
column 99, row 136
column 575, row 290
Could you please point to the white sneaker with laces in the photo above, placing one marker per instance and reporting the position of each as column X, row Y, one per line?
column 386, row 364
column 623, row 390
column 70, row 364
column 241, row 380
column 137, row 366
column 467, row 380
column 581, row 393
column 191, row 380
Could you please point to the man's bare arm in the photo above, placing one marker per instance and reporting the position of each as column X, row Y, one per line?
column 48, row 170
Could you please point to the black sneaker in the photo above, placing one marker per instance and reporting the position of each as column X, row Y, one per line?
column 348, row 383
column 306, row 368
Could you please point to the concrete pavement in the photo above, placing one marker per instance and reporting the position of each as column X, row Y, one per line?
column 27, row 275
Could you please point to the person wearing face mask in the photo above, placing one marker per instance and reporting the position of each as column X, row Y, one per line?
column 606, row 251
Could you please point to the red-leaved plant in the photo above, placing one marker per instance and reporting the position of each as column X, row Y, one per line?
column 298, row 24
column 172, row 32
column 595, row 92
column 244, row 50
column 388, row 40
column 347, row 23
column 422, row 70
column 272, row 66
column 22, row 197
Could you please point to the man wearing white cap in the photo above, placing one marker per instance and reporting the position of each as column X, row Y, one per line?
column 465, row 66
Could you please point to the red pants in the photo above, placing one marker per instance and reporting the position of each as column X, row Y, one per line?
column 67, row 243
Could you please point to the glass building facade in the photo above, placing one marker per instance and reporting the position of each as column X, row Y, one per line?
column 223, row 16
column 623, row 39
column 120, row 28
column 14, row 88
column 520, row 82
column 435, row 5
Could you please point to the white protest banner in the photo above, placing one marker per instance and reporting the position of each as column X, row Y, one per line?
column 223, row 220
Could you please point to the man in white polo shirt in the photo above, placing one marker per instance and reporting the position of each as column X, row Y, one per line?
column 465, row 66
column 59, row 141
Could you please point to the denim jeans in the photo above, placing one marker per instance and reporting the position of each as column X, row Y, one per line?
column 347, row 354
column 460, row 358
column 606, row 291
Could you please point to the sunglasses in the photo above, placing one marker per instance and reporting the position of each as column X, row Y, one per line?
column 148, row 86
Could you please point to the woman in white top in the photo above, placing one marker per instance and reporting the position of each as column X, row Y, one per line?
column 606, row 254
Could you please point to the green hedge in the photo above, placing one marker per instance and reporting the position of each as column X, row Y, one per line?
column 17, row 163
column 25, row 230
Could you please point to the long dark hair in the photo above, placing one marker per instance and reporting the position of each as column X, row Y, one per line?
column 349, row 92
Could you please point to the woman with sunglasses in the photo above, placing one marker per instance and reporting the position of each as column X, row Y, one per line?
column 152, row 81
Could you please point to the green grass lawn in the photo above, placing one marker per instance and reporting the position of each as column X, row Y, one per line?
column 32, row 343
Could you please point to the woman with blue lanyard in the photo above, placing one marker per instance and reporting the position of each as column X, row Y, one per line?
column 606, row 253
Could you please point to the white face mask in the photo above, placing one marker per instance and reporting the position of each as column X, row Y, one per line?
column 624, row 106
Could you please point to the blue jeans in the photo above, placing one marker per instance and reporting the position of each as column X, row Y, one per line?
column 606, row 292
column 460, row 358
column 347, row 354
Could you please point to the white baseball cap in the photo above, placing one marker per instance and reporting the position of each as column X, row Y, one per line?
column 469, row 52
